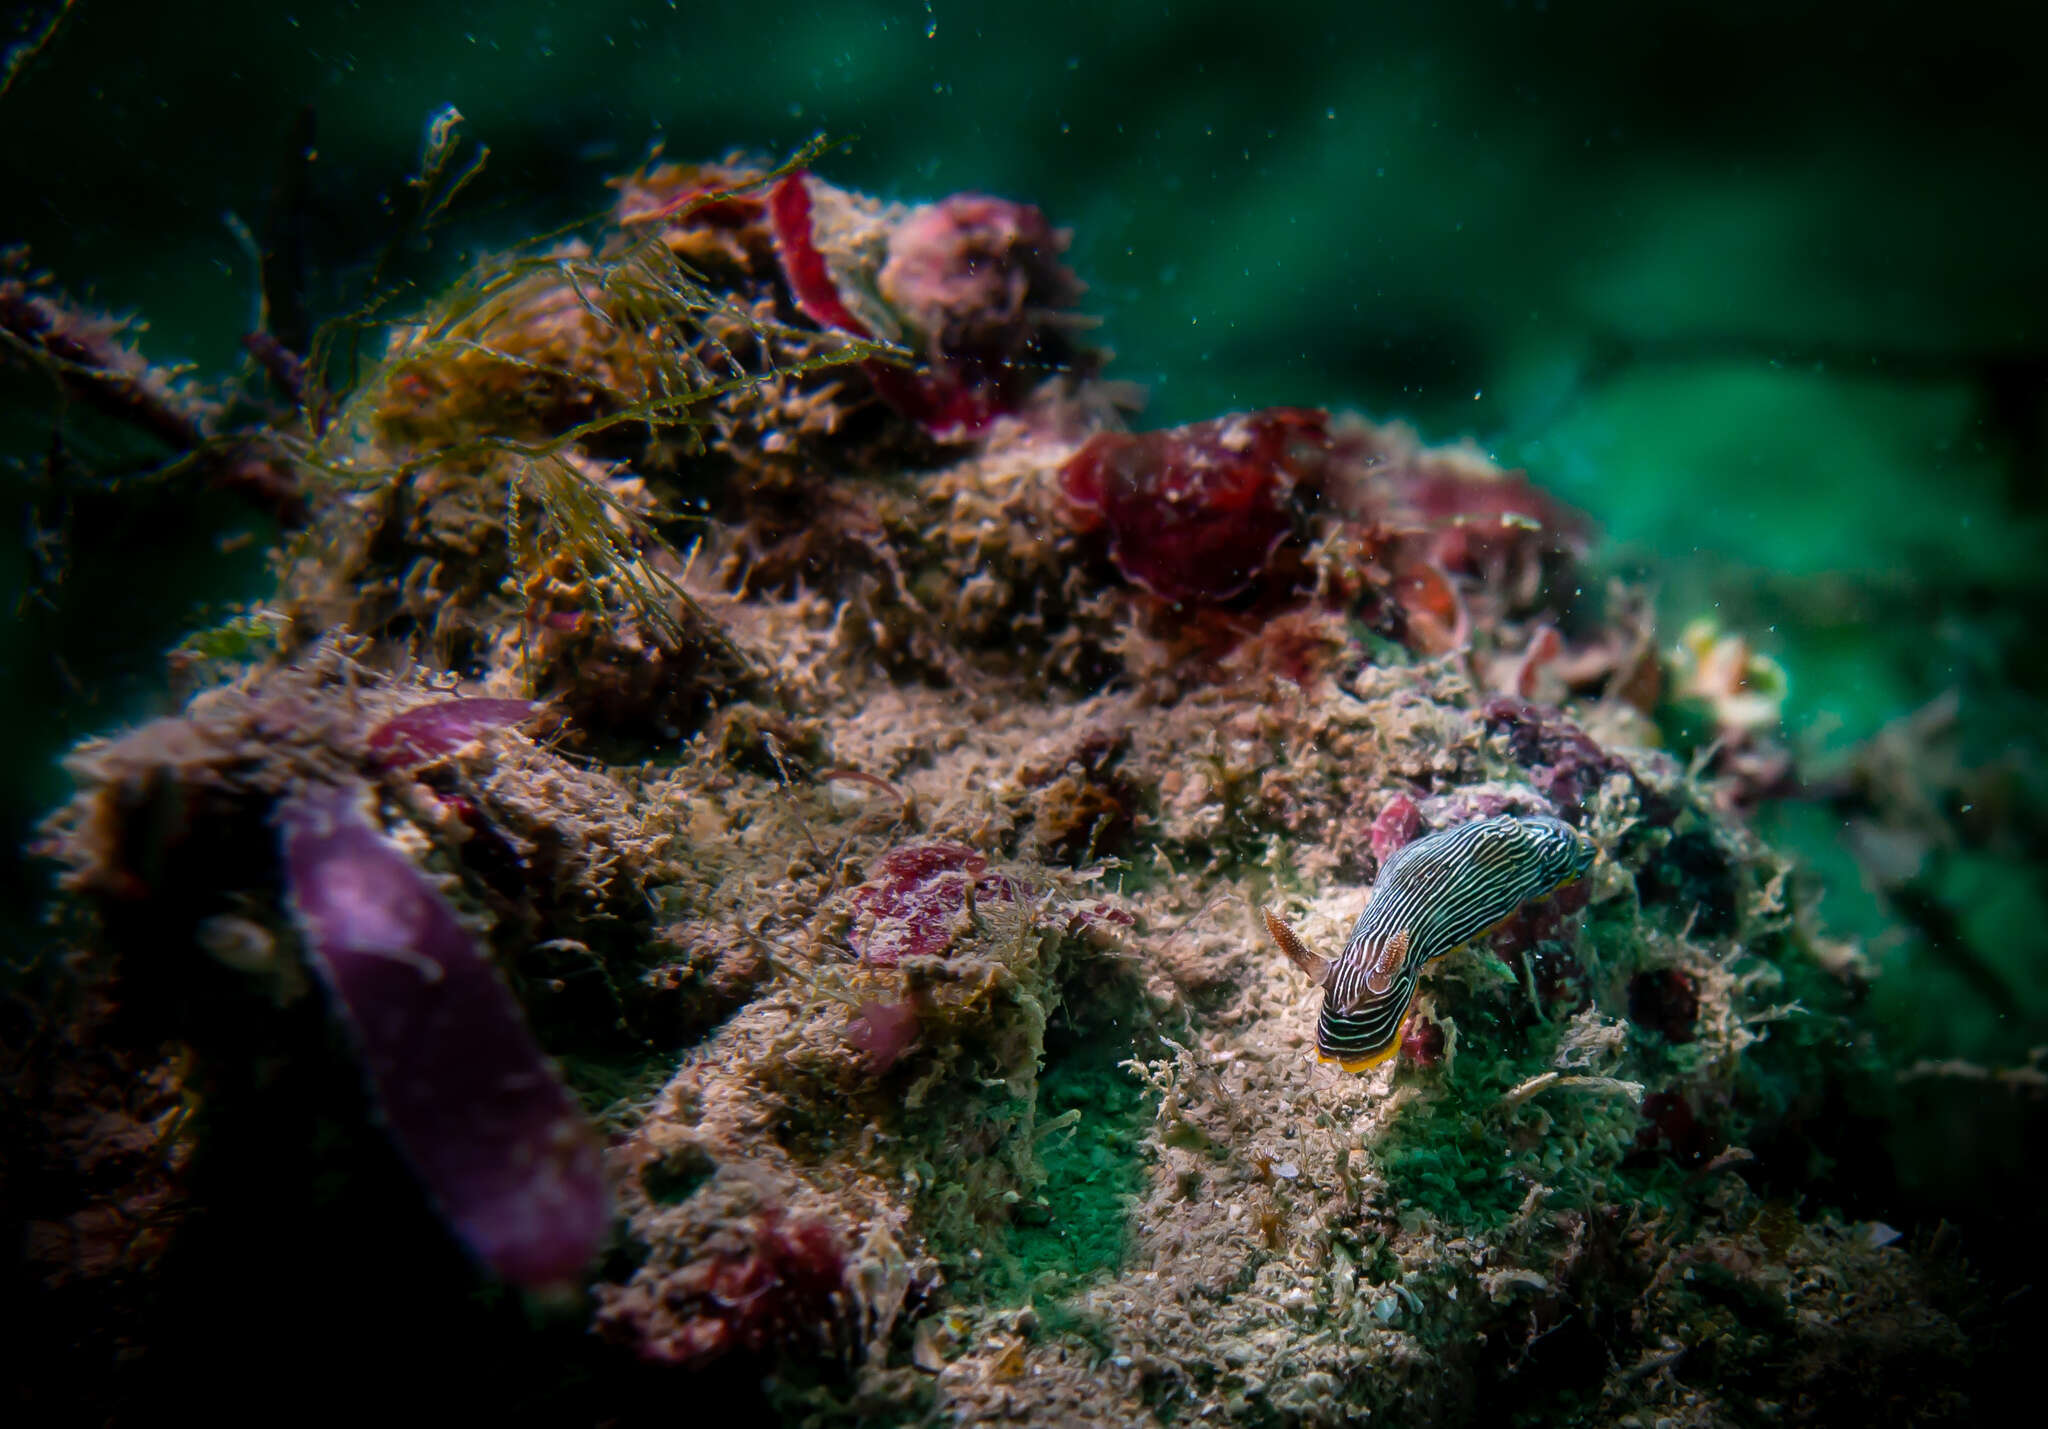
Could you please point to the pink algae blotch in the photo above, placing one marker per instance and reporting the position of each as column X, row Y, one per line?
column 979, row 278
column 919, row 900
column 883, row 1032
column 1396, row 825
column 1196, row 512
column 427, row 732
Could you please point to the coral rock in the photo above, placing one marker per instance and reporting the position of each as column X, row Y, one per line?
column 980, row 281
column 708, row 214
column 1489, row 520
column 970, row 271
column 1743, row 687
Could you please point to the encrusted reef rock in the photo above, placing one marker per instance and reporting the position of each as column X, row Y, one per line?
column 754, row 630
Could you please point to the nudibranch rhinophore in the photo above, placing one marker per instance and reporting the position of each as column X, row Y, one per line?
column 1432, row 897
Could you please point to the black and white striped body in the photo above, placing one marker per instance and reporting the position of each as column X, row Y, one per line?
column 1432, row 897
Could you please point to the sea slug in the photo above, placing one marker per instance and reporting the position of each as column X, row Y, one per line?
column 1431, row 898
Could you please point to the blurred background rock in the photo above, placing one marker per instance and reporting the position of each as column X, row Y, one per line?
column 1760, row 286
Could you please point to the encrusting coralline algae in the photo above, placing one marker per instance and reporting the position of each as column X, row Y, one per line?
column 752, row 628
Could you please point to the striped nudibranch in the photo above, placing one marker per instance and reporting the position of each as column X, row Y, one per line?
column 1431, row 898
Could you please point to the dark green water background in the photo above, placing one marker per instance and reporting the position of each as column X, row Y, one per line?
column 1759, row 285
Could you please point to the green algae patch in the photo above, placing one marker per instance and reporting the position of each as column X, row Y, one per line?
column 1554, row 1118
column 1474, row 1156
column 1091, row 1120
column 222, row 651
column 1444, row 1159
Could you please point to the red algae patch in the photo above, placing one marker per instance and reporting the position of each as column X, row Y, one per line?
column 1486, row 522
column 803, row 265
column 1195, row 513
column 921, row 898
column 1563, row 761
column 1667, row 1001
column 1422, row 1042
column 771, row 1283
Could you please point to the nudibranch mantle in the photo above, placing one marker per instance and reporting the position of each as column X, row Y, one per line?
column 1432, row 897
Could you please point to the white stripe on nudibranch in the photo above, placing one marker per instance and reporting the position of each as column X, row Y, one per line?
column 1431, row 898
